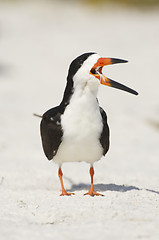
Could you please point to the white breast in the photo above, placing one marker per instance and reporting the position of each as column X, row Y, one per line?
column 82, row 126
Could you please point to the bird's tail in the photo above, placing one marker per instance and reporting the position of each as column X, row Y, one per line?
column 37, row 115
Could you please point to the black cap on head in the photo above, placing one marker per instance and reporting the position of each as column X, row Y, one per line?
column 77, row 63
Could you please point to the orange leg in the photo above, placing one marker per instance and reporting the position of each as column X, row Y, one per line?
column 62, row 186
column 91, row 191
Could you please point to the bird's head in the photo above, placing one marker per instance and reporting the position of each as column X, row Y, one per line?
column 88, row 68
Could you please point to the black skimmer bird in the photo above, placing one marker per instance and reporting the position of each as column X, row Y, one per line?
column 77, row 129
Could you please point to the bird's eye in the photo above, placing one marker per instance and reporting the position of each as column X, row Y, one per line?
column 93, row 71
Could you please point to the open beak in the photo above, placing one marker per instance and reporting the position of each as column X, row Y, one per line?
column 96, row 71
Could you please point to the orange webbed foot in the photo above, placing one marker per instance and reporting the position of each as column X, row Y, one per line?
column 92, row 193
column 64, row 193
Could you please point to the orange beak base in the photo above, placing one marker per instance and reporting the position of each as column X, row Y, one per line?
column 96, row 71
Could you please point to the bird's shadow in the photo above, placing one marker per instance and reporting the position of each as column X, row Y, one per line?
column 107, row 187
column 103, row 187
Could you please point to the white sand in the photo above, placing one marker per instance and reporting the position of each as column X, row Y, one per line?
column 37, row 43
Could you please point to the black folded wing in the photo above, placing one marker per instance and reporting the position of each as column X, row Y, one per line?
column 51, row 132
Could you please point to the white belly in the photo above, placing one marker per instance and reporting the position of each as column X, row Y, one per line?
column 82, row 126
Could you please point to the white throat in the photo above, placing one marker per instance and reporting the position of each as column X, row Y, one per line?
column 82, row 126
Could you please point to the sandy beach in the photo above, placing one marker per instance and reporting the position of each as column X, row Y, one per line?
column 38, row 40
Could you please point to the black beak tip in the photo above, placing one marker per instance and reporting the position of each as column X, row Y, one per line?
column 117, row 60
column 122, row 87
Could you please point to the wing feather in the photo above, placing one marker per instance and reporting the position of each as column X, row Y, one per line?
column 104, row 139
column 51, row 132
